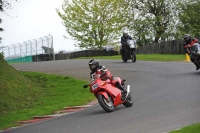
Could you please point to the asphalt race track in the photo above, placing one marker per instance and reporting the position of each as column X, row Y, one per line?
column 166, row 96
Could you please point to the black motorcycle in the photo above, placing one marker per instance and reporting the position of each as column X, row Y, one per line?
column 195, row 53
column 129, row 51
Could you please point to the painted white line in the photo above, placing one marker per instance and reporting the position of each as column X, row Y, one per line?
column 22, row 70
column 84, row 106
column 31, row 71
column 172, row 130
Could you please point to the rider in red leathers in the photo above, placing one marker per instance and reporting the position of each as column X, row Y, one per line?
column 189, row 41
column 104, row 74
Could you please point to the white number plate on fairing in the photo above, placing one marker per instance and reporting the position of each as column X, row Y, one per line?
column 95, row 86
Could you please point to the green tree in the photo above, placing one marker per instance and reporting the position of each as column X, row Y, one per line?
column 4, row 4
column 94, row 23
column 1, row 29
column 1, row 9
column 155, row 19
column 189, row 19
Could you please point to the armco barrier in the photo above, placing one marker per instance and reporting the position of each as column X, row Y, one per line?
column 21, row 59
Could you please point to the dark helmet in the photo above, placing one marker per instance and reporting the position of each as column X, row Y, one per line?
column 125, row 33
column 187, row 37
column 93, row 65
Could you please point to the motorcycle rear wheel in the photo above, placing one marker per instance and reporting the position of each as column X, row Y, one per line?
column 129, row 101
column 108, row 106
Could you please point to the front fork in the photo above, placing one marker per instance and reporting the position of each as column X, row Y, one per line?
column 131, row 52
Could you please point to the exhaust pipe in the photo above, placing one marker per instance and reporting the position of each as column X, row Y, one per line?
column 128, row 89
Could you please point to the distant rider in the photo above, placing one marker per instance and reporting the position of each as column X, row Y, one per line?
column 188, row 42
column 124, row 39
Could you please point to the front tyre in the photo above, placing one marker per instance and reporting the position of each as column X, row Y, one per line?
column 133, row 57
column 106, row 104
column 124, row 60
column 128, row 102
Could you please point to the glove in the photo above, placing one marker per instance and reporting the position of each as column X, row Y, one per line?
column 85, row 86
column 102, row 74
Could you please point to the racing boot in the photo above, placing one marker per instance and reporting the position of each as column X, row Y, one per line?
column 119, row 86
column 197, row 66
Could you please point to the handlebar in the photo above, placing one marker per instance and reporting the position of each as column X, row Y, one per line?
column 85, row 86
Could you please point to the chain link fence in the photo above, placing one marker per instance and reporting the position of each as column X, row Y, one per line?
column 43, row 45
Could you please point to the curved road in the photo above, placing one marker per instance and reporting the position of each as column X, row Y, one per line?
column 166, row 96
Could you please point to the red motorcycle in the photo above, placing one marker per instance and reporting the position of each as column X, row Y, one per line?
column 108, row 95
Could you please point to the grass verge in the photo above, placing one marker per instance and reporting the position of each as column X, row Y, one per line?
column 194, row 128
column 146, row 57
column 52, row 93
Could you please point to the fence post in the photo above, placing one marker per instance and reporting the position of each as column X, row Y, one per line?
column 26, row 48
column 48, row 44
column 42, row 45
column 20, row 49
column 36, row 49
column 31, row 46
column 14, row 50
column 52, row 47
column 9, row 51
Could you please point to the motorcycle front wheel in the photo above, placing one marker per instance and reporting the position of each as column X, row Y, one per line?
column 106, row 104
column 124, row 60
column 133, row 57
column 129, row 101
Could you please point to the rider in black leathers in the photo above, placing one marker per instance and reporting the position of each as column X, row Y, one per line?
column 124, row 42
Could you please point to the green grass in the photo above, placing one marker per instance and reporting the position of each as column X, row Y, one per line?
column 195, row 128
column 27, row 94
column 145, row 57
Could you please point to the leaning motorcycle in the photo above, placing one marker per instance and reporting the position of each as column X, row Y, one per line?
column 110, row 96
column 195, row 53
column 129, row 51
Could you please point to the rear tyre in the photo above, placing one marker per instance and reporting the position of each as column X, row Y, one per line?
column 107, row 105
column 128, row 102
